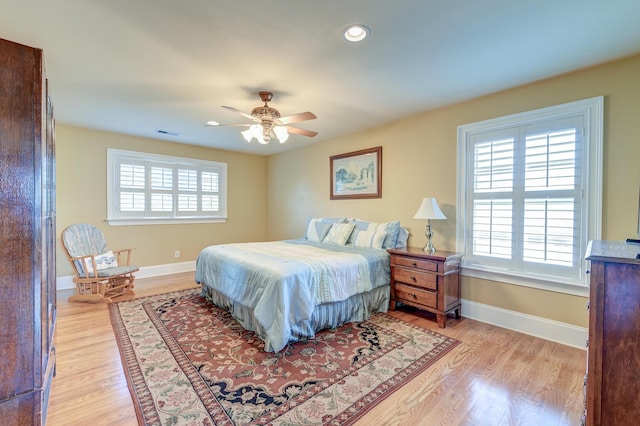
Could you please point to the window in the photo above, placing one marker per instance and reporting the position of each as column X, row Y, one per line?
column 529, row 195
column 149, row 189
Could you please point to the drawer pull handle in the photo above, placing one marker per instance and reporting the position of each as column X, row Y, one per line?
column 414, row 296
column 414, row 264
column 413, row 278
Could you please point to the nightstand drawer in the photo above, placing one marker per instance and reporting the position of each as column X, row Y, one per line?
column 415, row 263
column 416, row 278
column 408, row 294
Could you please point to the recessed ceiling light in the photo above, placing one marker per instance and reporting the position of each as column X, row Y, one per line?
column 356, row 33
column 212, row 123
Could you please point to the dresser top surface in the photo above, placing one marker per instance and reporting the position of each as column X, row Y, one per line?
column 613, row 251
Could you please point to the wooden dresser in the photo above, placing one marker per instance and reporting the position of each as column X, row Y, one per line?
column 27, row 237
column 613, row 362
column 426, row 281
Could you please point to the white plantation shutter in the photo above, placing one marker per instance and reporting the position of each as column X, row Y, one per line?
column 493, row 165
column 132, row 185
column 161, row 190
column 150, row 188
column 493, row 228
column 210, row 191
column 187, row 191
column 526, row 192
column 492, row 219
column 553, row 193
column 550, row 231
column 527, row 203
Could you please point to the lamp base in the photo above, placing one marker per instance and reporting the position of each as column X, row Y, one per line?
column 429, row 248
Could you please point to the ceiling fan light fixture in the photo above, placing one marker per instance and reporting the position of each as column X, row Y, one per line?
column 355, row 33
column 254, row 131
column 269, row 123
column 247, row 134
column 281, row 133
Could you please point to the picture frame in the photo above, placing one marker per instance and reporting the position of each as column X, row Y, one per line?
column 357, row 174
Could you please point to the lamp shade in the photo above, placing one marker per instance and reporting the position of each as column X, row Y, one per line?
column 429, row 209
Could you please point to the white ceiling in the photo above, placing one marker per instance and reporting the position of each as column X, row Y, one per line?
column 139, row 66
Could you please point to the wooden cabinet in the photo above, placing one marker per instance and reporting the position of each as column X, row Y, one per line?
column 613, row 360
column 426, row 281
column 27, row 237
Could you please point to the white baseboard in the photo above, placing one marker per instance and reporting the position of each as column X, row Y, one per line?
column 66, row 282
column 567, row 334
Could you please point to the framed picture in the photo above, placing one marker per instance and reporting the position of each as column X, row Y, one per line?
column 357, row 174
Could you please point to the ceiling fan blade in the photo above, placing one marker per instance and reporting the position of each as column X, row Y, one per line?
column 244, row 114
column 229, row 125
column 297, row 117
column 303, row 132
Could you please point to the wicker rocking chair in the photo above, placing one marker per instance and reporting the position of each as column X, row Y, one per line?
column 101, row 275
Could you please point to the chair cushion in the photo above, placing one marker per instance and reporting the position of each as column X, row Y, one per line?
column 83, row 239
column 111, row 272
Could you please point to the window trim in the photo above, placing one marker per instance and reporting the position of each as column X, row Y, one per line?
column 592, row 110
column 113, row 157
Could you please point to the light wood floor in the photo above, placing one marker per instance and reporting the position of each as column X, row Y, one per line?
column 494, row 377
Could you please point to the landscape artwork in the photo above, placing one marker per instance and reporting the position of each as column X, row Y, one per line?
column 357, row 174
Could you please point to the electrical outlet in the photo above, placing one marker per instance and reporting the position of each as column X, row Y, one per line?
column 176, row 253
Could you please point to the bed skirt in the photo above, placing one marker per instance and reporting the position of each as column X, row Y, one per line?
column 357, row 308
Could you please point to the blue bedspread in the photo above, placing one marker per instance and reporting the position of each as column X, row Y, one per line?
column 283, row 281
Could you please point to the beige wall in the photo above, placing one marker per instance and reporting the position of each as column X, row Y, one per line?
column 81, row 161
column 419, row 159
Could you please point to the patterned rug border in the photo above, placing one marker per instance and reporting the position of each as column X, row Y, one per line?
column 144, row 404
column 208, row 399
column 142, row 398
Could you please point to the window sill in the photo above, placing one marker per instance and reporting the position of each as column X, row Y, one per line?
column 165, row 221
column 538, row 283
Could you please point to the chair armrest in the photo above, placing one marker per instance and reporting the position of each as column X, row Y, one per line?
column 123, row 253
column 79, row 262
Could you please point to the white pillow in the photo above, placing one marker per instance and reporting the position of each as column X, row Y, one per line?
column 339, row 233
column 318, row 227
column 390, row 228
column 103, row 261
column 369, row 239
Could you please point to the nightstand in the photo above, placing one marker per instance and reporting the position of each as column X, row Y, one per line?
column 429, row 281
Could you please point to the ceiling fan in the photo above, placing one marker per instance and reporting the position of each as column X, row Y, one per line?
column 269, row 122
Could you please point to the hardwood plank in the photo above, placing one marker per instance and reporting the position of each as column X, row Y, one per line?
column 494, row 377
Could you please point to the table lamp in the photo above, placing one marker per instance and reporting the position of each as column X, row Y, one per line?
column 429, row 209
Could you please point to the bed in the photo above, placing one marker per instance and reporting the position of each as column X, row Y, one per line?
column 287, row 290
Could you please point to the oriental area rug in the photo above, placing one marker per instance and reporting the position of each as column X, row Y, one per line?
column 188, row 362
